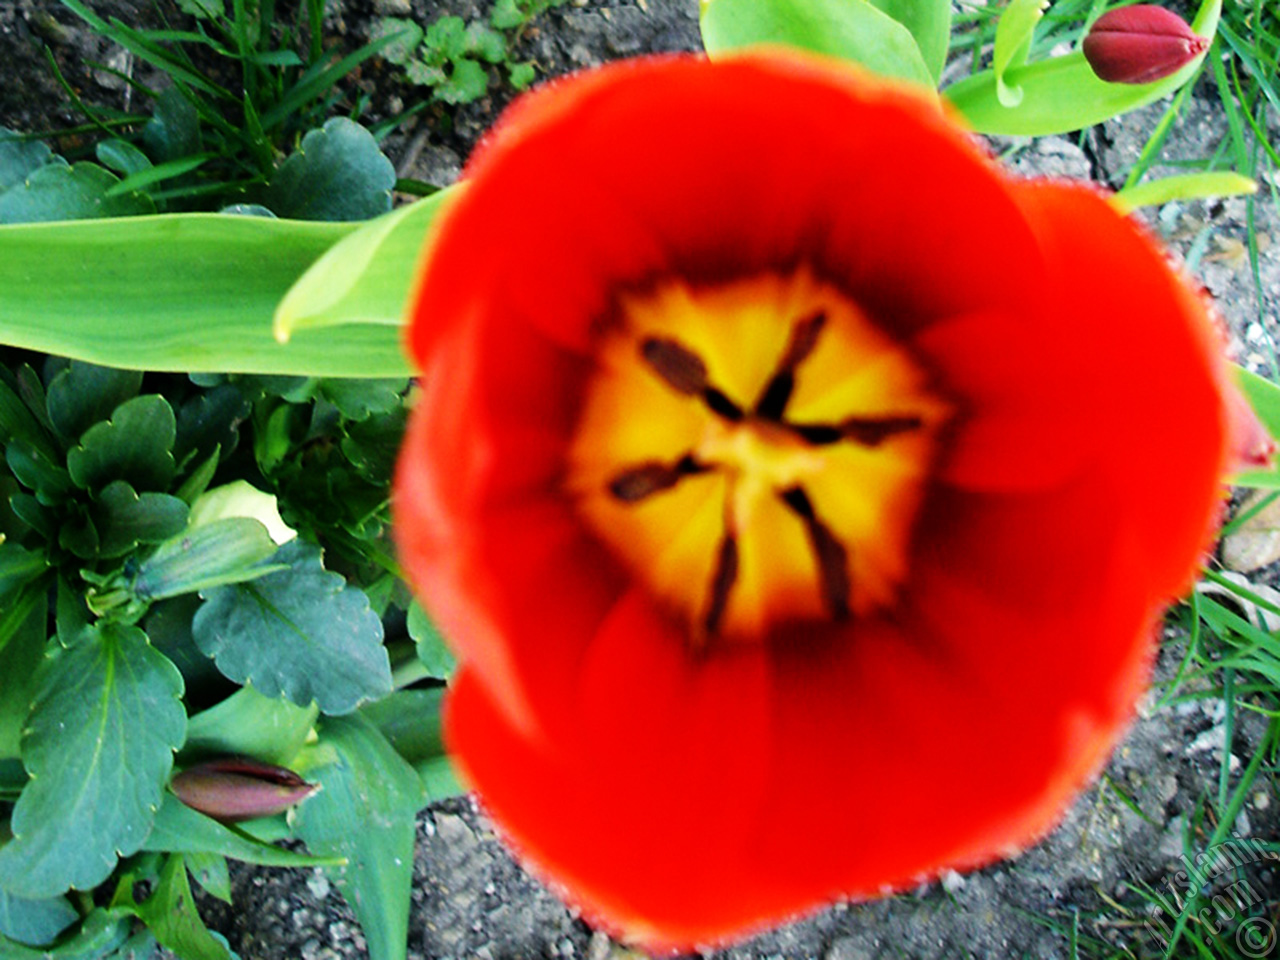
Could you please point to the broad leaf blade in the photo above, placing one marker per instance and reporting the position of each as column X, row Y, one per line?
column 179, row 829
column 170, row 914
column 135, row 445
column 410, row 720
column 22, row 643
column 270, row 729
column 300, row 631
column 929, row 22
column 184, row 292
column 338, row 173
column 1062, row 93
column 365, row 812
column 78, row 192
column 105, row 723
column 35, row 922
column 850, row 29
column 365, row 277
column 1264, row 397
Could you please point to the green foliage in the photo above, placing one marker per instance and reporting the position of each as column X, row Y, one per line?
column 165, row 601
column 99, row 744
column 365, row 813
column 299, row 631
column 451, row 57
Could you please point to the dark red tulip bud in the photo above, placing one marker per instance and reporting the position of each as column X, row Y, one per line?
column 1140, row 44
column 239, row 788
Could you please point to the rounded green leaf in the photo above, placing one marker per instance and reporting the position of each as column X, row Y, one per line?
column 849, row 29
column 19, row 158
column 338, row 173
column 35, row 923
column 300, row 631
column 106, row 721
column 135, row 445
column 81, row 394
column 125, row 519
column 78, row 192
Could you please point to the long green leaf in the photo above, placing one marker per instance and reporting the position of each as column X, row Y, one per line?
column 364, row 277
column 850, row 29
column 1264, row 397
column 179, row 829
column 1062, row 93
column 183, row 292
column 365, row 812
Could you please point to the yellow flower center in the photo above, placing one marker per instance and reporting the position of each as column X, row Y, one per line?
column 755, row 452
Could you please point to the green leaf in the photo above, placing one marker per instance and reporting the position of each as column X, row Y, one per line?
column 135, row 445
column 100, row 932
column 270, row 729
column 1264, row 397
column 17, row 422
column 22, row 644
column 49, row 480
column 360, row 399
column 432, row 650
column 365, row 812
column 929, row 22
column 1062, row 93
column 222, row 275
column 520, row 75
column 35, row 923
column 486, row 43
column 144, row 178
column 300, row 631
column 425, row 74
column 60, row 192
column 173, row 131
column 125, row 519
column 20, row 158
column 106, row 720
column 506, row 15
column 18, row 567
column 849, row 29
column 410, row 720
column 446, row 38
column 467, row 83
column 1187, row 186
column 337, row 174
column 365, row 277
column 222, row 552
column 179, row 829
column 171, row 915
column 121, row 156
column 81, row 394
column 407, row 33
column 1013, row 44
column 210, row 871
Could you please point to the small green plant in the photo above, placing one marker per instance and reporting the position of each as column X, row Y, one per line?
column 245, row 88
column 450, row 56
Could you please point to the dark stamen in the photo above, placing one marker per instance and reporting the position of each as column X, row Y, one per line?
column 684, row 371
column 680, row 367
column 868, row 431
column 873, row 431
column 726, row 573
column 721, row 404
column 636, row 483
column 777, row 392
column 829, row 553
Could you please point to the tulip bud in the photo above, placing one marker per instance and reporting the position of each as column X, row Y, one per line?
column 1140, row 44
column 239, row 788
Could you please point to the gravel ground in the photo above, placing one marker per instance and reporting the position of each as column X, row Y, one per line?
column 472, row 901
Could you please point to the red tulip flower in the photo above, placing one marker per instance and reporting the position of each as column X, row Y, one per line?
column 799, row 492
column 1140, row 44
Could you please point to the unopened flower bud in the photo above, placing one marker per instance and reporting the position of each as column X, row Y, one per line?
column 1140, row 44
column 239, row 788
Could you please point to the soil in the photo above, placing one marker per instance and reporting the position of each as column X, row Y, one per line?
column 470, row 899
